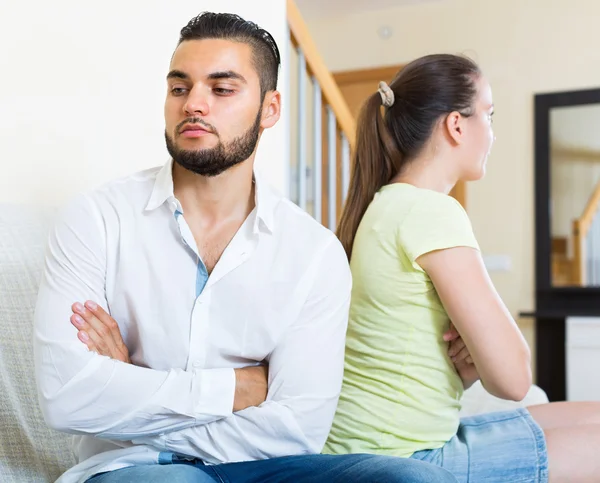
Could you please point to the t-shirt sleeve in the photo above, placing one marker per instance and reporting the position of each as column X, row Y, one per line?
column 435, row 223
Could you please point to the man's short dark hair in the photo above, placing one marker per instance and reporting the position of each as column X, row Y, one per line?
column 266, row 58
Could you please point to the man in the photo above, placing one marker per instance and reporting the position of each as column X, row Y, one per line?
column 228, row 304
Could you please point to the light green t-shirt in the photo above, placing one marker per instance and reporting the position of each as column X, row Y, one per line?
column 401, row 392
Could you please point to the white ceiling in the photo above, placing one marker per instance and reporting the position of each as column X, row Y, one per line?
column 311, row 8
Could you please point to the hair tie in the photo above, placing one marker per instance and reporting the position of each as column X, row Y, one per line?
column 386, row 93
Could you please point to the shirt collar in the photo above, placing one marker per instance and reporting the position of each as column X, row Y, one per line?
column 266, row 197
column 163, row 187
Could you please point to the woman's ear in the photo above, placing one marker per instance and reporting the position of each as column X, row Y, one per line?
column 455, row 126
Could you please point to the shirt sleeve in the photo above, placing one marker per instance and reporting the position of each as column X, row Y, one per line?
column 305, row 379
column 84, row 393
column 435, row 223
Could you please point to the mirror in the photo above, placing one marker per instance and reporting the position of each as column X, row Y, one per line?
column 567, row 219
column 574, row 158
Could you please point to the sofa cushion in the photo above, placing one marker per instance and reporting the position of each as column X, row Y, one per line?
column 29, row 450
column 477, row 400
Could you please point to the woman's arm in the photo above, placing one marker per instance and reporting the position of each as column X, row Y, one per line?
column 497, row 347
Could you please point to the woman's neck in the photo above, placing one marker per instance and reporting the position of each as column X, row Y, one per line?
column 431, row 173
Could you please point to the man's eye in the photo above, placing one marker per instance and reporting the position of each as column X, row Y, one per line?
column 178, row 91
column 223, row 92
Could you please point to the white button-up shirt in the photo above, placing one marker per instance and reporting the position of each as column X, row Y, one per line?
column 280, row 293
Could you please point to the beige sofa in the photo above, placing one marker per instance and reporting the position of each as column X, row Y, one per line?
column 29, row 450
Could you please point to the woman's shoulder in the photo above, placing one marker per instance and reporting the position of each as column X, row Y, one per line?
column 411, row 201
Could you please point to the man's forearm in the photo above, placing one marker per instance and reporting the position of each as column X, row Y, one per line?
column 250, row 387
column 269, row 431
column 84, row 393
column 101, row 334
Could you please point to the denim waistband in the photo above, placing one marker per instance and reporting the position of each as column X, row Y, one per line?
column 169, row 458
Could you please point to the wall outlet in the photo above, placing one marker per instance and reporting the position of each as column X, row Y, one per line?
column 497, row 263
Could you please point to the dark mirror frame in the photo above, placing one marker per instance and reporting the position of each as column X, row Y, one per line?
column 555, row 301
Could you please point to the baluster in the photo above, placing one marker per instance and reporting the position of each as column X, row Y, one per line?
column 302, row 134
column 332, row 168
column 318, row 146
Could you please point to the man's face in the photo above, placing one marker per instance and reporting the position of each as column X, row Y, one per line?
column 213, row 112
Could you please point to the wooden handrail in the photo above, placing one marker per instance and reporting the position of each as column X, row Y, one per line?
column 333, row 96
column 586, row 219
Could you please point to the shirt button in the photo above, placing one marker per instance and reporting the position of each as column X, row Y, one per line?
column 196, row 364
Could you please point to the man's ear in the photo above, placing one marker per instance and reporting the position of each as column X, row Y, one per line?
column 271, row 110
column 455, row 126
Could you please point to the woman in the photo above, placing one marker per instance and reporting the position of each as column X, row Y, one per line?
column 417, row 272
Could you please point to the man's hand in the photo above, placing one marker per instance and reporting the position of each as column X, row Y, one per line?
column 99, row 331
column 463, row 362
column 251, row 385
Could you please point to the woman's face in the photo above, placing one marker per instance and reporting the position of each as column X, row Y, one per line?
column 480, row 135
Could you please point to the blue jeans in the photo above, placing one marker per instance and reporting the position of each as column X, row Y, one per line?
column 495, row 448
column 352, row 468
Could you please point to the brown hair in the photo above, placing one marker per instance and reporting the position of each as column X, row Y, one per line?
column 210, row 25
column 424, row 91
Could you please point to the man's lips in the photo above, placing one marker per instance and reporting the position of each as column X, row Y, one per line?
column 193, row 131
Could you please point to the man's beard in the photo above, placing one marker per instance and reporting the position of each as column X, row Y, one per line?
column 214, row 161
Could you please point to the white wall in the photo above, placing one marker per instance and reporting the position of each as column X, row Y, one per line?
column 82, row 87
